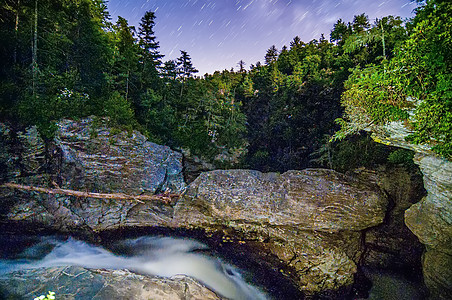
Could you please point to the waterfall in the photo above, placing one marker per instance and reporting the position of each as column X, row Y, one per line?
column 148, row 255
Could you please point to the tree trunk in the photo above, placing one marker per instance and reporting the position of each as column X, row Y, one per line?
column 127, row 84
column 16, row 32
column 166, row 197
column 383, row 40
column 34, row 63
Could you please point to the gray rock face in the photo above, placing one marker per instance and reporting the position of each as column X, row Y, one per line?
column 21, row 153
column 311, row 219
column 79, row 283
column 96, row 159
column 89, row 156
column 309, row 199
column 430, row 219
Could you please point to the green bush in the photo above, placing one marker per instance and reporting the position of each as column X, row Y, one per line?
column 49, row 296
column 119, row 110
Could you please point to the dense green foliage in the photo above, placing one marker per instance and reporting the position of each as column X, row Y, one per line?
column 416, row 78
column 66, row 59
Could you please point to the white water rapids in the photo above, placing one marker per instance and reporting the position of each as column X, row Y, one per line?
column 160, row 256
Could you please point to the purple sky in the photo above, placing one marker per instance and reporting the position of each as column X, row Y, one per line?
column 217, row 34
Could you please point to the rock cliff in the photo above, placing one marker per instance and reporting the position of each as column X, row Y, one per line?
column 312, row 220
column 308, row 224
column 430, row 219
column 87, row 156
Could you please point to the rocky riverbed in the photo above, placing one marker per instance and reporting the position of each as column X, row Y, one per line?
column 314, row 227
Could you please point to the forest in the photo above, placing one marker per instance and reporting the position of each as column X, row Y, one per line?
column 302, row 106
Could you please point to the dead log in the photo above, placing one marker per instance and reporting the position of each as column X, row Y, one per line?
column 166, row 198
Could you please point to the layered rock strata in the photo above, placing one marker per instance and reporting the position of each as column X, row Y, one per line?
column 88, row 156
column 430, row 219
column 311, row 219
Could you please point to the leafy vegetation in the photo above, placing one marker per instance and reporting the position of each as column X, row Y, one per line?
column 417, row 78
column 49, row 296
column 278, row 115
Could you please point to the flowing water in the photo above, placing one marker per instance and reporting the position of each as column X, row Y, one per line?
column 160, row 256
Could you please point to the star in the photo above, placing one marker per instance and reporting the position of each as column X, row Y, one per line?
column 210, row 31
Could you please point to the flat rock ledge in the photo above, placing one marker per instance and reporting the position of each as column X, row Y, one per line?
column 312, row 220
column 90, row 284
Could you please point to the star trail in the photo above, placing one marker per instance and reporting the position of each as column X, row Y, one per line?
column 218, row 34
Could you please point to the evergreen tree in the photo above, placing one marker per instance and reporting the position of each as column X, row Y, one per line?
column 185, row 66
column 271, row 56
column 360, row 23
column 127, row 60
column 296, row 42
column 148, row 42
column 340, row 32
column 241, row 64
column 169, row 70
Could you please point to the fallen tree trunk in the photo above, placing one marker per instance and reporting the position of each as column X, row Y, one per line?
column 167, row 198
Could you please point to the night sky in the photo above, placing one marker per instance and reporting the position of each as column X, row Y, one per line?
column 218, row 34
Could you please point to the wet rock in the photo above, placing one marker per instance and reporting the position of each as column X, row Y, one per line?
column 79, row 283
column 310, row 219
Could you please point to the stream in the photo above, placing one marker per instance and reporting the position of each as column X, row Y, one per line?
column 148, row 255
column 236, row 277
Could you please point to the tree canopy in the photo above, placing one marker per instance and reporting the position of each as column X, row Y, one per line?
column 415, row 78
column 68, row 59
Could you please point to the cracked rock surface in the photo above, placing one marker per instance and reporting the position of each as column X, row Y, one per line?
column 92, row 284
column 87, row 155
column 312, row 220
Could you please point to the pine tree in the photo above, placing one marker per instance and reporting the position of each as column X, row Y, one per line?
column 148, row 43
column 360, row 23
column 185, row 65
column 272, row 55
column 126, row 63
column 340, row 32
column 296, row 42
column 241, row 64
column 169, row 70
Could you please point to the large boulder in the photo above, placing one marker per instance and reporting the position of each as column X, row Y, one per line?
column 89, row 156
column 95, row 158
column 311, row 219
column 79, row 283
